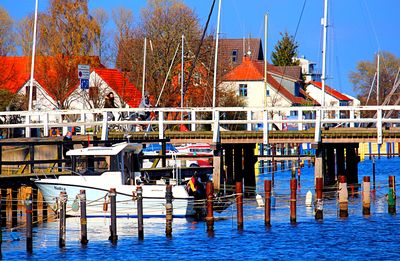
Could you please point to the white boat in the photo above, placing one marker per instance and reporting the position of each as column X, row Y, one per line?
column 98, row 169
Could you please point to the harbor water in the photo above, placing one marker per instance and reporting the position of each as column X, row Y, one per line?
column 354, row 238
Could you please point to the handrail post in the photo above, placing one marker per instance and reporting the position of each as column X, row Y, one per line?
column 317, row 137
column 161, row 125
column 216, row 127
column 300, row 118
column 352, row 118
column 104, row 129
column 83, row 119
column 249, row 119
column 265, row 127
column 193, row 118
column 46, row 124
column 379, row 125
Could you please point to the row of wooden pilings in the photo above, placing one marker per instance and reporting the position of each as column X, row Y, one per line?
column 318, row 208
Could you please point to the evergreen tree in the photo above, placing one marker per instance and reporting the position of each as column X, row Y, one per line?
column 284, row 51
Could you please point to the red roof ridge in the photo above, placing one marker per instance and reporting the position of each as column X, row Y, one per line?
column 338, row 95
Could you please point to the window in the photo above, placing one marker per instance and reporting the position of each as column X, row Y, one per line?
column 234, row 56
column 243, row 90
column 93, row 93
column 33, row 92
column 343, row 103
column 293, row 113
column 267, row 93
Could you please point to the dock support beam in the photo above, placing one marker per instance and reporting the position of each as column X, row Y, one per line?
column 249, row 175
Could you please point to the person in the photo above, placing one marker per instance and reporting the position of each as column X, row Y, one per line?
column 67, row 145
column 195, row 187
column 109, row 103
column 145, row 103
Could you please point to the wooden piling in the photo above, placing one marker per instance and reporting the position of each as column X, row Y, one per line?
column 293, row 190
column 319, row 184
column 3, row 208
column 139, row 195
column 239, row 204
column 373, row 174
column 29, row 240
column 14, row 207
column 169, row 211
column 210, row 206
column 343, row 197
column 113, row 205
column 82, row 197
column 63, row 220
column 35, row 215
column 392, row 195
column 267, row 205
column 366, row 196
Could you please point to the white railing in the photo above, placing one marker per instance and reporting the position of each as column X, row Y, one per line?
column 222, row 117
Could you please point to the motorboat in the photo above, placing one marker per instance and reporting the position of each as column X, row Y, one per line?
column 97, row 169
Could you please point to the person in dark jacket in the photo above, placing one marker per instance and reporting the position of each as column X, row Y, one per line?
column 67, row 145
column 109, row 103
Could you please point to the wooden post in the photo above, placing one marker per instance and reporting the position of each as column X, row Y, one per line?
column 239, row 204
column 35, row 214
column 113, row 205
column 29, row 240
column 366, row 196
column 210, row 206
column 3, row 208
column 392, row 195
column 139, row 194
column 63, row 221
column 267, row 206
column 59, row 156
column 169, row 211
column 343, row 197
column 293, row 190
column 14, row 207
column 32, row 157
column 319, row 184
column 82, row 197
column 373, row 175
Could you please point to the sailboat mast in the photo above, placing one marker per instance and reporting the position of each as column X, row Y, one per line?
column 216, row 56
column 33, row 58
column 182, row 68
column 265, row 60
column 377, row 80
column 144, row 65
column 325, row 25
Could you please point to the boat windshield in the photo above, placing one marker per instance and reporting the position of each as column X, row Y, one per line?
column 96, row 165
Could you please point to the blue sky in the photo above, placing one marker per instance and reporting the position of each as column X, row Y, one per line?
column 358, row 28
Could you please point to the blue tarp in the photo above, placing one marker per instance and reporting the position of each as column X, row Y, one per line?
column 157, row 147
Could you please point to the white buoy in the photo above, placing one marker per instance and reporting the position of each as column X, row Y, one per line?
column 309, row 199
column 260, row 201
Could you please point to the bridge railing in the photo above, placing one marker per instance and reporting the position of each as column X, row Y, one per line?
column 204, row 118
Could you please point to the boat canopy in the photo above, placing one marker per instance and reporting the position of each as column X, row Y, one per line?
column 106, row 151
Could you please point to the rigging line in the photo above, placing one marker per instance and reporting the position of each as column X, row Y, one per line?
column 294, row 39
column 372, row 25
column 198, row 49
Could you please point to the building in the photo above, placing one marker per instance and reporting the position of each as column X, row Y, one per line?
column 309, row 70
column 284, row 87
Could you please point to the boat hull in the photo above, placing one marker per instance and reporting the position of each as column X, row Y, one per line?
column 97, row 197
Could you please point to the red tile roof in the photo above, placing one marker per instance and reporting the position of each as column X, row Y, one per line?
column 331, row 91
column 254, row 71
column 121, row 85
column 15, row 71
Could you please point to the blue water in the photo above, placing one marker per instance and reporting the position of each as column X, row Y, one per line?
column 353, row 238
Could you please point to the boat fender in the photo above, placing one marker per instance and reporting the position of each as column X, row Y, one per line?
column 309, row 199
column 260, row 201
column 75, row 205
column 105, row 206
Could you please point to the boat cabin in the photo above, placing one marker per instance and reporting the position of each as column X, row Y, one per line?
column 121, row 157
